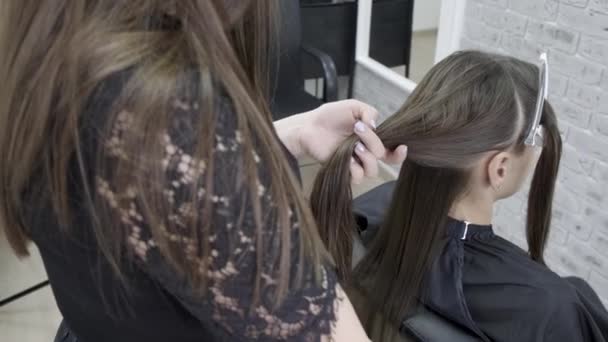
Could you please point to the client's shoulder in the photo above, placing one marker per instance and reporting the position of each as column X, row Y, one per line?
column 502, row 264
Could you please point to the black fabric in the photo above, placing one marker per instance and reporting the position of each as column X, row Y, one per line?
column 492, row 288
column 288, row 96
column 449, row 301
column 158, row 303
column 427, row 326
column 89, row 296
column 370, row 208
column 64, row 334
column 295, row 102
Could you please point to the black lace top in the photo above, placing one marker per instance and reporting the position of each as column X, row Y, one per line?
column 160, row 305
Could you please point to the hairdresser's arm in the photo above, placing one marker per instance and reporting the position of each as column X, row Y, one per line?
column 318, row 134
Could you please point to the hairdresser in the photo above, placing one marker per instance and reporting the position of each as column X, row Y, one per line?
column 138, row 154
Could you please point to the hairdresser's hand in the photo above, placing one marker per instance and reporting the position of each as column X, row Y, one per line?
column 322, row 130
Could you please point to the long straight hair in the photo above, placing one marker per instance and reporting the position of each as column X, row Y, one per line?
column 468, row 104
column 55, row 54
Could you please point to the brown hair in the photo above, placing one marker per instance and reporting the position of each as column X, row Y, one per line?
column 468, row 104
column 55, row 54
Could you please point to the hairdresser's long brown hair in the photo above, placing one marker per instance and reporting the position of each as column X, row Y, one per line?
column 468, row 104
column 53, row 57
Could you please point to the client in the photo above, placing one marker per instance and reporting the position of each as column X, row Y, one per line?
column 476, row 126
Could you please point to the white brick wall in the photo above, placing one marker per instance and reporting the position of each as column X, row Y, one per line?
column 575, row 35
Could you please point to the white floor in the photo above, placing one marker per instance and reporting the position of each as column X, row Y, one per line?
column 33, row 318
column 422, row 55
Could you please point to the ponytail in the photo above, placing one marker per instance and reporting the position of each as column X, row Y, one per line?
column 542, row 189
column 331, row 204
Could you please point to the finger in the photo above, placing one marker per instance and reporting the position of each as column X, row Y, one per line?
column 356, row 172
column 368, row 160
column 369, row 138
column 397, row 156
column 364, row 112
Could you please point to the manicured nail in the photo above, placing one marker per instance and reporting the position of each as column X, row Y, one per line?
column 360, row 147
column 404, row 151
column 360, row 127
column 373, row 122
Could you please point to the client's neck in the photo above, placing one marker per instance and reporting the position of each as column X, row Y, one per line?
column 473, row 209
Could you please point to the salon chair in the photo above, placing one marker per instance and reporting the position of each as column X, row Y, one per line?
column 425, row 325
column 287, row 94
column 331, row 25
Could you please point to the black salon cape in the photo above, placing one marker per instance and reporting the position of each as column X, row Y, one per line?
column 493, row 289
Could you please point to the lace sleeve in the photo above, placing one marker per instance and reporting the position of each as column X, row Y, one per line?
column 307, row 314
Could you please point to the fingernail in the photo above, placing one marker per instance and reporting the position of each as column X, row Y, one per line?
column 360, row 127
column 373, row 122
column 352, row 160
column 404, row 151
column 360, row 147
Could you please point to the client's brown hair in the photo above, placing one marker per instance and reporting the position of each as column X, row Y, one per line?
column 468, row 104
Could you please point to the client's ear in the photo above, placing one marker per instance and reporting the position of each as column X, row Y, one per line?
column 498, row 170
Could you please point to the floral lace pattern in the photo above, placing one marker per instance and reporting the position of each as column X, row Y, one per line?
column 307, row 314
